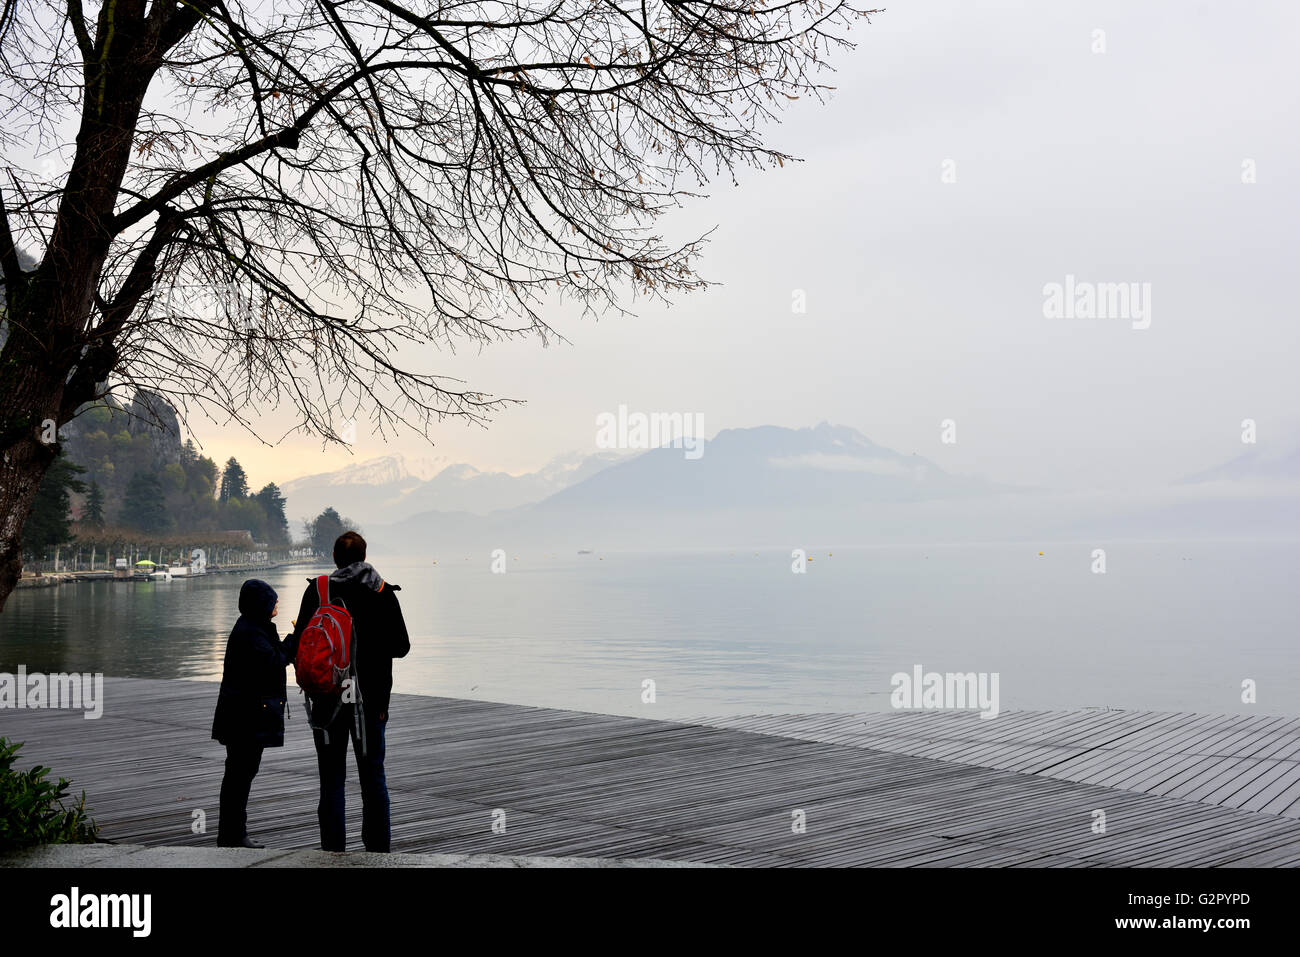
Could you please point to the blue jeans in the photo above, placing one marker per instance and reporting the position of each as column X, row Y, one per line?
column 331, row 759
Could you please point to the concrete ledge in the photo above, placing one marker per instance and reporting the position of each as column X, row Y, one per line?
column 139, row 856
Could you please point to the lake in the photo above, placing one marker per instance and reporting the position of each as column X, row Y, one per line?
column 1169, row 626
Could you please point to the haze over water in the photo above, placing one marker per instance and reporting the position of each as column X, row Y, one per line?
column 1170, row 626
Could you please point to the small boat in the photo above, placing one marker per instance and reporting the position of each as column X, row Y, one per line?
column 161, row 573
column 584, row 551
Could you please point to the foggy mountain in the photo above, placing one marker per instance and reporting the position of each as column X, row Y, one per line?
column 1255, row 495
column 391, row 488
column 769, row 466
column 830, row 485
column 1255, row 464
column 756, row 486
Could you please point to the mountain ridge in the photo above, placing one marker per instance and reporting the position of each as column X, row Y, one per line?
column 391, row 487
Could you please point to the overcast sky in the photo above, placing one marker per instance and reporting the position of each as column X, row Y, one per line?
column 925, row 298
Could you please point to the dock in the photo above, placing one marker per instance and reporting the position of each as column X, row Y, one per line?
column 1026, row 789
column 53, row 579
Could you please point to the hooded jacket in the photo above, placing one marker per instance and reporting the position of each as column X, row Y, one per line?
column 251, row 703
column 378, row 629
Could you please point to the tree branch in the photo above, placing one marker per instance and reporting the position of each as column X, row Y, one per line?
column 77, row 17
column 286, row 138
column 11, row 270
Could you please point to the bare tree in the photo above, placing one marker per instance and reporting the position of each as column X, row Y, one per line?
column 239, row 205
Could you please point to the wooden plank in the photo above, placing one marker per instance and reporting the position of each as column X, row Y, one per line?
column 1215, row 759
column 614, row 786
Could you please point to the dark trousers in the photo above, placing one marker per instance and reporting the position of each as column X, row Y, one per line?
column 331, row 758
column 242, row 762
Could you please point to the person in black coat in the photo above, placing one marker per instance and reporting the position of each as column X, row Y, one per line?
column 251, row 704
column 378, row 636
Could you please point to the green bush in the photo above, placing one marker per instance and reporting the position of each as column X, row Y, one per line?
column 32, row 810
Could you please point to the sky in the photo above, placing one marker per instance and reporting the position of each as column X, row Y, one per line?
column 925, row 297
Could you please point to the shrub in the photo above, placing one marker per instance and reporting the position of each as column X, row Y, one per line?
column 32, row 810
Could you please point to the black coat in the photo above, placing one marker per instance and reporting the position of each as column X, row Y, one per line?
column 251, row 703
column 378, row 629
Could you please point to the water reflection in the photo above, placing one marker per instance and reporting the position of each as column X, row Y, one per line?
column 1170, row 627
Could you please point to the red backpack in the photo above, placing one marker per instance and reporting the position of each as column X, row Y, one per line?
column 324, row 659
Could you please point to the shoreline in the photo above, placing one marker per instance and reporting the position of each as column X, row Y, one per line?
column 54, row 579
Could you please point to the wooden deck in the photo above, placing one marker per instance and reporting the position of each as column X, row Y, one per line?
column 1245, row 762
column 577, row 784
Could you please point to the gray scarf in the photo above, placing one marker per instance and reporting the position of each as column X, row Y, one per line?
column 362, row 573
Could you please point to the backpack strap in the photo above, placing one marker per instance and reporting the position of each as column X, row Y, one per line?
column 323, row 589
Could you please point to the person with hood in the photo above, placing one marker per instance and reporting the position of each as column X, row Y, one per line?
column 378, row 636
column 251, row 704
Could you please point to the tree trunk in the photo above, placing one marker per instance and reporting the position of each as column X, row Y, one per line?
column 22, row 467
column 48, row 368
column 29, row 406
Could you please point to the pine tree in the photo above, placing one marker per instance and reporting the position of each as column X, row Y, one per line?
column 234, row 483
column 48, row 524
column 277, row 525
column 93, row 513
column 143, row 508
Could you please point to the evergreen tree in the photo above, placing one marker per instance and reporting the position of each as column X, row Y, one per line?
column 277, row 525
column 144, row 508
column 93, row 513
column 234, row 483
column 48, row 524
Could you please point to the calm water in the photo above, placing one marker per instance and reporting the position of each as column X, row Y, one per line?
column 1170, row 627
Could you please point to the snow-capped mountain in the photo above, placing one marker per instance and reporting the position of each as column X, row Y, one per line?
column 392, row 487
column 383, row 470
